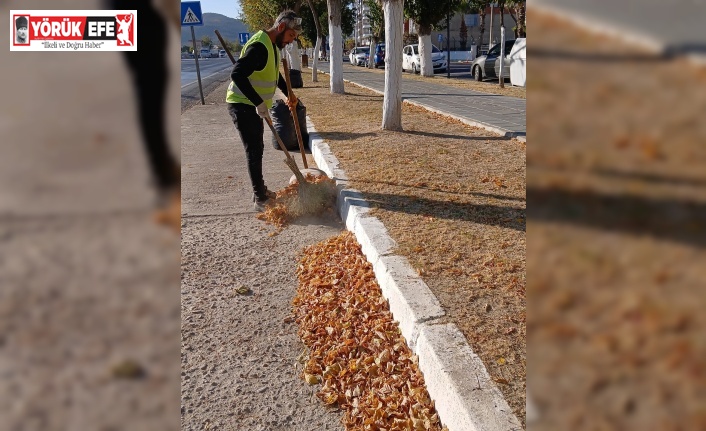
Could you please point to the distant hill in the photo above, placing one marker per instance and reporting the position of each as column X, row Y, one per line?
column 227, row 27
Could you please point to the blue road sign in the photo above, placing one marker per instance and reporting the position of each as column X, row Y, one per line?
column 191, row 13
column 244, row 37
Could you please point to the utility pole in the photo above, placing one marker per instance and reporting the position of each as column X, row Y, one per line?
column 490, row 38
column 448, row 38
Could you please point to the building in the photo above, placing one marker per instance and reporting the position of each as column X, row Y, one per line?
column 361, row 31
column 438, row 38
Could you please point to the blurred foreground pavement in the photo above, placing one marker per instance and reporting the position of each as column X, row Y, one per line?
column 616, row 192
column 89, row 285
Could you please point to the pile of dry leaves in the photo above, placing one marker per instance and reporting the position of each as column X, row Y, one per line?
column 287, row 207
column 356, row 349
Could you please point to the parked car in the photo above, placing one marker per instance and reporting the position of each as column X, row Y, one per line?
column 205, row 53
column 378, row 57
column 358, row 55
column 222, row 53
column 488, row 66
column 411, row 60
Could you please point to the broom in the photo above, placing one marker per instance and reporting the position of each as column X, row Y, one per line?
column 311, row 197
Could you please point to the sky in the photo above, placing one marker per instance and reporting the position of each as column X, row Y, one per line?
column 229, row 8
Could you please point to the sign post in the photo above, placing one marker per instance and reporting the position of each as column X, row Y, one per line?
column 190, row 16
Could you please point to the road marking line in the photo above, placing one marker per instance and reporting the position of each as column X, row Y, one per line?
column 194, row 82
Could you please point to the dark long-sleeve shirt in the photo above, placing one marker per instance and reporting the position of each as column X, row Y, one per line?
column 254, row 58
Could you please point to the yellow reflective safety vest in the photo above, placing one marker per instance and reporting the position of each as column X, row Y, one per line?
column 263, row 81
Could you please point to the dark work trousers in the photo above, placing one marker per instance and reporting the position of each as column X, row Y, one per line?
column 148, row 69
column 250, row 127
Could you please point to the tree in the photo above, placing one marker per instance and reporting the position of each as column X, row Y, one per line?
column 376, row 18
column 501, row 6
column 206, row 41
column 427, row 14
column 314, row 17
column 185, row 48
column 335, row 45
column 392, row 100
column 480, row 6
column 463, row 33
column 260, row 14
column 517, row 11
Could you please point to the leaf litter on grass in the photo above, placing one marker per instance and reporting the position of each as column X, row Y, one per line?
column 356, row 350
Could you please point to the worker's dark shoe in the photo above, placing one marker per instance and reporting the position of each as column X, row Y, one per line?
column 261, row 204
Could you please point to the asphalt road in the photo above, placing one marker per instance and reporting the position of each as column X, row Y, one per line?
column 214, row 71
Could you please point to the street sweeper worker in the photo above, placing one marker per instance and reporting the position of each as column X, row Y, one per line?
column 254, row 80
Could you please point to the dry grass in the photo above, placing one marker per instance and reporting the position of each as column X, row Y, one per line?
column 453, row 197
column 617, row 200
column 466, row 84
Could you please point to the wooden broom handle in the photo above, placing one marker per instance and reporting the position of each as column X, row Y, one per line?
column 294, row 114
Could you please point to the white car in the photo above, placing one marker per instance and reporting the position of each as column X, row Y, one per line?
column 411, row 61
column 358, row 55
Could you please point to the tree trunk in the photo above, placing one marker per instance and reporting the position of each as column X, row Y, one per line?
column 335, row 46
column 501, row 6
column 517, row 25
column 426, row 66
column 319, row 32
column 392, row 101
column 481, row 26
column 294, row 56
column 522, row 20
column 371, row 54
column 315, row 61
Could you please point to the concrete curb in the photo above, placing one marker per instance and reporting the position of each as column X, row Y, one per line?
column 473, row 123
column 463, row 392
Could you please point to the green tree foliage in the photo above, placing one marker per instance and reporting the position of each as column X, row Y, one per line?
column 309, row 26
column 429, row 14
column 377, row 19
column 261, row 14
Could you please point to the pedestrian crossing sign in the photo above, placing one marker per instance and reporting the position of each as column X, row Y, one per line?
column 191, row 13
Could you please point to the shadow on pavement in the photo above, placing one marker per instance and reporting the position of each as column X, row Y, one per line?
column 657, row 179
column 344, row 136
column 502, row 216
column 480, row 194
column 670, row 219
column 462, row 138
column 597, row 57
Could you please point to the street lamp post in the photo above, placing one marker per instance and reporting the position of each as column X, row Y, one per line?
column 490, row 38
column 448, row 47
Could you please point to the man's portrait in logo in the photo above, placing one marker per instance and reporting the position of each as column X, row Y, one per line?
column 21, row 33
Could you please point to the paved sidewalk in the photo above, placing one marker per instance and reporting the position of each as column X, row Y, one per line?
column 502, row 114
column 240, row 352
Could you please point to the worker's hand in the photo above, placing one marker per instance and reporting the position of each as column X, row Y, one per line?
column 263, row 112
column 292, row 103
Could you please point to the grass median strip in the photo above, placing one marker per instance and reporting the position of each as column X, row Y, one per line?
column 356, row 349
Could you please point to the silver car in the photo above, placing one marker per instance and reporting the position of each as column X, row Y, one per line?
column 488, row 66
column 358, row 56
